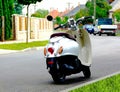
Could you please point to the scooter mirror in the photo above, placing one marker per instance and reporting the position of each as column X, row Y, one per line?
column 49, row 18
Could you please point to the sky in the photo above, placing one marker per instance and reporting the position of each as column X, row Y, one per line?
column 61, row 5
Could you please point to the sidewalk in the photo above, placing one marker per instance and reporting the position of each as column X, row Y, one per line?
column 4, row 51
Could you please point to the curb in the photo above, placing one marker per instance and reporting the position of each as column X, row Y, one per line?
column 87, row 83
column 34, row 48
column 2, row 51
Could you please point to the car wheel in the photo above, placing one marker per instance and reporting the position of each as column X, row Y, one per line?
column 114, row 34
column 99, row 34
column 94, row 33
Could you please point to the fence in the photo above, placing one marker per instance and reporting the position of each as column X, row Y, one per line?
column 40, row 28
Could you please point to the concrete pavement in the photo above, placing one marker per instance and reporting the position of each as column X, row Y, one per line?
column 4, row 51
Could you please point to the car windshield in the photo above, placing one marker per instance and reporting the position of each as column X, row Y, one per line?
column 88, row 26
column 104, row 21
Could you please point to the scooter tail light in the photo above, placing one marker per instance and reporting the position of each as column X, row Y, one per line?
column 50, row 62
column 51, row 50
column 45, row 51
column 60, row 50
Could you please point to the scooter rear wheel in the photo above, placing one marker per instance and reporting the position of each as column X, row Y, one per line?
column 58, row 78
column 86, row 71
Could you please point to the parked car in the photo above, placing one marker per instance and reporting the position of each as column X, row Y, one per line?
column 105, row 26
column 89, row 28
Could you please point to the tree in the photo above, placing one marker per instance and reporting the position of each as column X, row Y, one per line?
column 28, row 2
column 102, row 8
column 116, row 15
column 1, row 14
column 60, row 20
column 6, row 10
column 81, row 13
column 7, row 18
column 18, row 8
column 40, row 13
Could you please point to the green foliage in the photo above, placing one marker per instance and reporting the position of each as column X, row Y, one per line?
column 81, row 13
column 102, row 8
column 90, row 7
column 60, row 20
column 110, row 84
column 88, row 21
column 64, row 19
column 6, row 10
column 28, row 2
column 11, row 6
column 17, row 8
column 7, row 17
column 116, row 14
column 1, row 14
column 40, row 13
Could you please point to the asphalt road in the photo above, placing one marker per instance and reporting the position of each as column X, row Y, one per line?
column 26, row 71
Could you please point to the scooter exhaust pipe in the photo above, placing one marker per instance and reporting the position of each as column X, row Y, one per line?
column 67, row 69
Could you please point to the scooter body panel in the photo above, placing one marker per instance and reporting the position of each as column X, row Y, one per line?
column 85, row 52
column 69, row 52
column 70, row 47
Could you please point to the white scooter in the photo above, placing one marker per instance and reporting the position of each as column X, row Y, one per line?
column 68, row 52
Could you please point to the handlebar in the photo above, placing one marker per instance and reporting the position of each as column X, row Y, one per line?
column 71, row 22
column 57, row 27
column 60, row 26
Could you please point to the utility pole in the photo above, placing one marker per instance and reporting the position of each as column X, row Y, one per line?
column 28, row 25
column 69, row 5
column 35, row 7
column 94, row 13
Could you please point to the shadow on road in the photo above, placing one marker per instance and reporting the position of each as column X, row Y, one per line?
column 72, row 80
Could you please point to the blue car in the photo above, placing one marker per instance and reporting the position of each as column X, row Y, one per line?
column 89, row 28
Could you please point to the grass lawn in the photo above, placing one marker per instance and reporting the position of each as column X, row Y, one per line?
column 21, row 46
column 118, row 34
column 111, row 84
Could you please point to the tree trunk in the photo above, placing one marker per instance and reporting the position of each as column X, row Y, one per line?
column 3, row 29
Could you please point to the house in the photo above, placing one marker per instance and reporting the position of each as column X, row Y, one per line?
column 54, row 13
column 115, row 6
column 110, row 1
column 68, row 12
column 75, row 10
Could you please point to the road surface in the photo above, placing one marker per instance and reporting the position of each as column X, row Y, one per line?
column 26, row 71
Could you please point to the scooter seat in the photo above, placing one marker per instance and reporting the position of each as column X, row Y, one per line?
column 63, row 34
